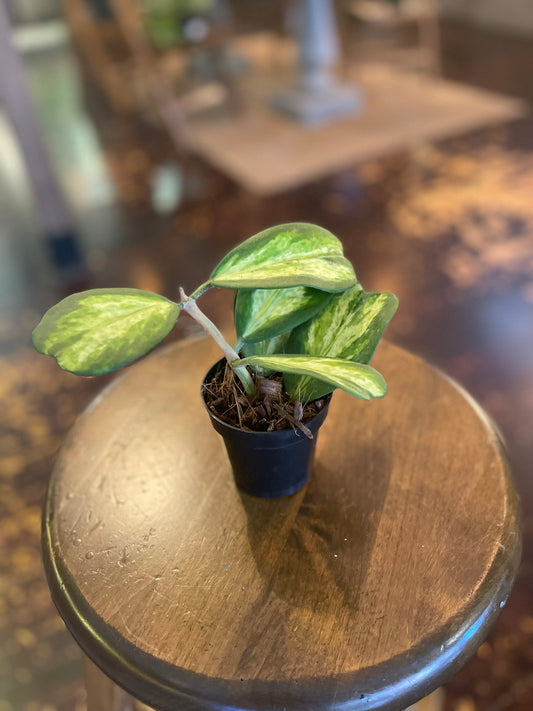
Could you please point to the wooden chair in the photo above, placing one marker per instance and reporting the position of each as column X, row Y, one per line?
column 104, row 53
column 135, row 77
column 366, row 590
column 386, row 21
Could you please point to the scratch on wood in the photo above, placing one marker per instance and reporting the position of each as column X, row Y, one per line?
column 135, row 637
column 95, row 526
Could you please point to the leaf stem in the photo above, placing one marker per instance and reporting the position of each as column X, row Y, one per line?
column 200, row 290
column 189, row 305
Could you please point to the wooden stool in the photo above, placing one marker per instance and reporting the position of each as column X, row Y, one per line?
column 366, row 590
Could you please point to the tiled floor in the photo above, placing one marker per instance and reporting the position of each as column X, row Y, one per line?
column 448, row 228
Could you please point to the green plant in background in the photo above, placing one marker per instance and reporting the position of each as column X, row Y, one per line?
column 165, row 21
column 299, row 310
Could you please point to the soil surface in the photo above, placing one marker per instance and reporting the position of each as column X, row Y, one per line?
column 271, row 409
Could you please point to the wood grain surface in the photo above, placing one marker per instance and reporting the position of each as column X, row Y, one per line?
column 365, row 590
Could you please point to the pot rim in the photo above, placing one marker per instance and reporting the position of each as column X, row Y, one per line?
column 273, row 433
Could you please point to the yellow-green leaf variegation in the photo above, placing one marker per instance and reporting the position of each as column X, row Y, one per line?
column 295, row 254
column 349, row 327
column 261, row 314
column 355, row 378
column 97, row 331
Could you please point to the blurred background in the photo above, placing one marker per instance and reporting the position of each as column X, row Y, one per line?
column 141, row 139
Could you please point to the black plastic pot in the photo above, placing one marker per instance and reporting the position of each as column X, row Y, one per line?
column 268, row 464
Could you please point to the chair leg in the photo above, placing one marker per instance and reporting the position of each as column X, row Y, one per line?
column 430, row 41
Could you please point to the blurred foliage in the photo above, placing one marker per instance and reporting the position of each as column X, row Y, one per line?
column 173, row 22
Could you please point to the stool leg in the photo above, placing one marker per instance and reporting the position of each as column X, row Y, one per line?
column 433, row 702
column 105, row 695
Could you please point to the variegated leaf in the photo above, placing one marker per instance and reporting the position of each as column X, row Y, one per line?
column 261, row 314
column 295, row 254
column 355, row 378
column 349, row 327
column 269, row 347
column 100, row 330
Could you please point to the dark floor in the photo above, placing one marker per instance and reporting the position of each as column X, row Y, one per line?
column 447, row 227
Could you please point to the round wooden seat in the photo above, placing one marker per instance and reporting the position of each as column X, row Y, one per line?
column 365, row 590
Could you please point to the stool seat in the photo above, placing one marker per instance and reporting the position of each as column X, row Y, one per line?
column 365, row 590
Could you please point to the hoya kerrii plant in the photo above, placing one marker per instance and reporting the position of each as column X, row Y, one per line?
column 299, row 311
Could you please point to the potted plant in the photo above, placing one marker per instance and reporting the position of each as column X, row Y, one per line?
column 304, row 324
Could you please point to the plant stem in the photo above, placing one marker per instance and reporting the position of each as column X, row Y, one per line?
column 191, row 307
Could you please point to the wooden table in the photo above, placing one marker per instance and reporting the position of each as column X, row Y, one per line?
column 365, row 590
column 268, row 153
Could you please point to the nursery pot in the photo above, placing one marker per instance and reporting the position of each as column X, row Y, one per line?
column 268, row 464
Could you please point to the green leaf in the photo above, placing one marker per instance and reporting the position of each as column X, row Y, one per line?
column 349, row 327
column 97, row 331
column 296, row 254
column 261, row 314
column 355, row 378
column 265, row 348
